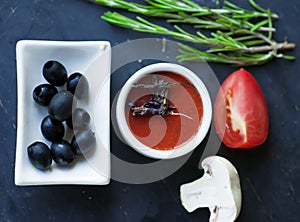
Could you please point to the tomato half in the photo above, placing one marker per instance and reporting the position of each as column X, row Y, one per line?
column 240, row 111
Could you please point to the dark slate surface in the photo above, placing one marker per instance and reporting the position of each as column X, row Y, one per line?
column 270, row 174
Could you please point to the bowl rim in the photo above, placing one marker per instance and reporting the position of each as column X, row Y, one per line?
column 182, row 149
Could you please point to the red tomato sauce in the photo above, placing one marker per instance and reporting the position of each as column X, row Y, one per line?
column 165, row 132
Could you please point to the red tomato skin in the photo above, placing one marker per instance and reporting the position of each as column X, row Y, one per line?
column 248, row 104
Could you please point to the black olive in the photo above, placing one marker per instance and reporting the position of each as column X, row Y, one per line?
column 42, row 94
column 55, row 73
column 83, row 141
column 60, row 107
column 62, row 152
column 52, row 129
column 39, row 155
column 79, row 120
column 78, row 85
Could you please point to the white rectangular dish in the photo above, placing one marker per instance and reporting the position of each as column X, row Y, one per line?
column 93, row 59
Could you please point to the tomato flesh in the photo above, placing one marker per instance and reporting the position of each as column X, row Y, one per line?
column 240, row 112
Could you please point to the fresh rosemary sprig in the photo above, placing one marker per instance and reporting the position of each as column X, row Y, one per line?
column 189, row 12
column 238, row 36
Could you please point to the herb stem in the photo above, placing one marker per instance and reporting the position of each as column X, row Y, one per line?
column 238, row 36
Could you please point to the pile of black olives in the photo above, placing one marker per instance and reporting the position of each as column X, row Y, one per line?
column 60, row 94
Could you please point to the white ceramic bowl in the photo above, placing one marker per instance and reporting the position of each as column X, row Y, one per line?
column 182, row 149
column 88, row 57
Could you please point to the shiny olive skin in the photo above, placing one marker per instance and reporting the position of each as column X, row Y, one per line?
column 79, row 120
column 83, row 142
column 39, row 155
column 62, row 152
column 60, row 107
column 78, row 85
column 55, row 73
column 52, row 129
column 42, row 94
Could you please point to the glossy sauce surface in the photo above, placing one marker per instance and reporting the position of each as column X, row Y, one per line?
column 165, row 132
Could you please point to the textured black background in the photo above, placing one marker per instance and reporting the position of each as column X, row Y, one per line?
column 270, row 174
